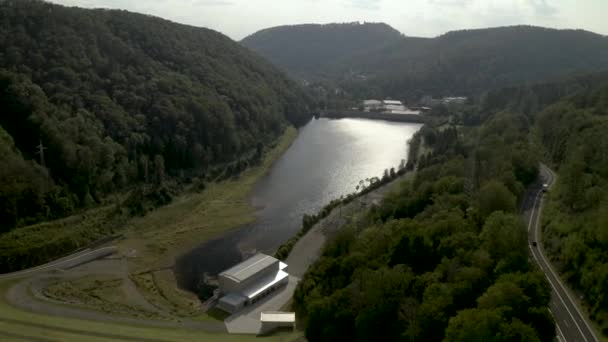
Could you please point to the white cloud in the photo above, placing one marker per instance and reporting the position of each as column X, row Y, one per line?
column 238, row 18
column 364, row 4
column 542, row 8
column 458, row 3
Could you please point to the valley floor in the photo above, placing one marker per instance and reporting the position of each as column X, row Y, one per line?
column 135, row 286
column 133, row 293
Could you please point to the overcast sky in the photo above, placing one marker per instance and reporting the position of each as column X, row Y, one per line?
column 427, row 18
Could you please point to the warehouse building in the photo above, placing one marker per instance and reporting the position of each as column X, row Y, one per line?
column 250, row 281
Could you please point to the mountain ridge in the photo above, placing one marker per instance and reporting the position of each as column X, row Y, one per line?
column 460, row 62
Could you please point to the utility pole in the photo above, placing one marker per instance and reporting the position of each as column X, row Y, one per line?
column 41, row 149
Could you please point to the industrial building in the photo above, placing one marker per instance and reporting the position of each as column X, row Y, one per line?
column 388, row 107
column 372, row 105
column 250, row 281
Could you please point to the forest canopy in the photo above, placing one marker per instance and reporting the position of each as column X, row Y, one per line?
column 116, row 98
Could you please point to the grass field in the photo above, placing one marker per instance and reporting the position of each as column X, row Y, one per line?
column 103, row 293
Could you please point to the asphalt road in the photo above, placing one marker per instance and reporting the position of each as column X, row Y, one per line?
column 63, row 263
column 572, row 324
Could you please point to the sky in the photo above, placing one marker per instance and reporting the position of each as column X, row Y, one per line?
column 422, row 18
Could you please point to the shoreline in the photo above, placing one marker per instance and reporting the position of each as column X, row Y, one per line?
column 343, row 114
column 194, row 220
column 309, row 246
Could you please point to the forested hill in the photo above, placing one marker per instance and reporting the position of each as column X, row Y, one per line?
column 456, row 63
column 117, row 99
column 302, row 49
column 570, row 123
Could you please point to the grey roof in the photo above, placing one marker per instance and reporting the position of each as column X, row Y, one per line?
column 233, row 299
column 249, row 267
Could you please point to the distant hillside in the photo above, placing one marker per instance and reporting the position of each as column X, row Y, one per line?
column 468, row 62
column 460, row 62
column 119, row 99
column 301, row 49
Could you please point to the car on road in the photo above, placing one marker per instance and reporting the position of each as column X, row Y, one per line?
column 545, row 187
column 534, row 243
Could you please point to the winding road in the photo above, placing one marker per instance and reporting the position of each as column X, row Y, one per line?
column 69, row 261
column 572, row 324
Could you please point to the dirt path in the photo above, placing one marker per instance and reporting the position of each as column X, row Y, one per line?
column 310, row 246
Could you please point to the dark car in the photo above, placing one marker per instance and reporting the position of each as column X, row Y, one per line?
column 534, row 243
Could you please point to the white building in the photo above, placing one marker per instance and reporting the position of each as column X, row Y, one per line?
column 249, row 281
column 406, row 111
column 392, row 106
column 454, row 100
column 431, row 102
column 392, row 103
column 372, row 105
column 388, row 107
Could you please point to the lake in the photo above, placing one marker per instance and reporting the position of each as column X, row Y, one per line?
column 327, row 160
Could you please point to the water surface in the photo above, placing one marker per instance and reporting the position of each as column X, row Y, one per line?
column 327, row 160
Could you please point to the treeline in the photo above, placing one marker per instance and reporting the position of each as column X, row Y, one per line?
column 442, row 258
column 95, row 102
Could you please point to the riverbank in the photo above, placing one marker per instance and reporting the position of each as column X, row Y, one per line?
column 194, row 218
column 164, row 234
column 310, row 246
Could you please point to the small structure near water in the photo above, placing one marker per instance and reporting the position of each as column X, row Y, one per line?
column 251, row 280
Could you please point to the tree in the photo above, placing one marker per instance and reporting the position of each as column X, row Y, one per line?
column 506, row 296
column 494, row 196
column 473, row 325
column 159, row 169
column 504, row 237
